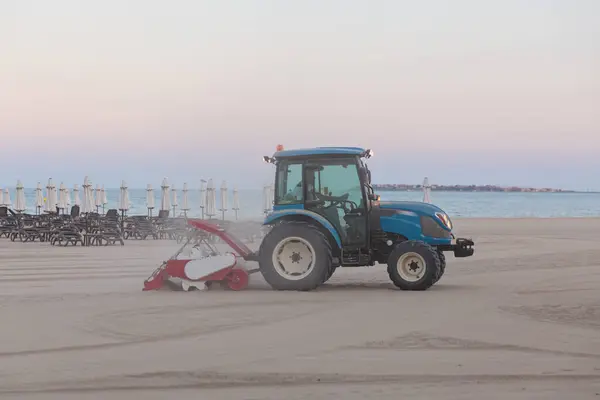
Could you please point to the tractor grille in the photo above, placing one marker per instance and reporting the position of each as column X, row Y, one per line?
column 432, row 229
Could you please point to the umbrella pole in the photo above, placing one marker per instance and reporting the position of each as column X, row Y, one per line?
column 87, row 229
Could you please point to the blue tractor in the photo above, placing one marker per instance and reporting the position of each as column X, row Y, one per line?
column 326, row 215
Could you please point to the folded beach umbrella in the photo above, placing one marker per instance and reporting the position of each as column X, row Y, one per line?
column 211, row 200
column 426, row 191
column 98, row 199
column 104, row 198
column 20, row 205
column 272, row 193
column 267, row 199
column 124, row 198
column 92, row 198
column 50, row 205
column 223, row 207
column 174, row 202
column 202, row 196
column 62, row 198
column 185, row 205
column 54, row 192
column 87, row 204
column 236, row 202
column 39, row 198
column 68, row 198
column 7, row 201
column 76, row 199
column 149, row 199
column 123, row 202
column 165, row 198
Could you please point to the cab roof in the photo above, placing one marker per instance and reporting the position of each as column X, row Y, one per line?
column 319, row 151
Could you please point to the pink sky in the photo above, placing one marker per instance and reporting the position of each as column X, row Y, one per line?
column 463, row 94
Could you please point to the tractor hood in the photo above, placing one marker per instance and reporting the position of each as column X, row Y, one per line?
column 414, row 206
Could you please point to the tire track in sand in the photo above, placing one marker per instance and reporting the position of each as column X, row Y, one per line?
column 96, row 324
column 424, row 341
column 214, row 380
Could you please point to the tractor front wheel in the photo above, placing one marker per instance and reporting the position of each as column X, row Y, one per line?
column 442, row 258
column 414, row 265
column 295, row 255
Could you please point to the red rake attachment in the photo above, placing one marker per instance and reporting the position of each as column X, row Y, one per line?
column 198, row 263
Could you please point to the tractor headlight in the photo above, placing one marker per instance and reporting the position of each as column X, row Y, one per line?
column 444, row 219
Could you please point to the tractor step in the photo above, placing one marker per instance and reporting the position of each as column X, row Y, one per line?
column 355, row 259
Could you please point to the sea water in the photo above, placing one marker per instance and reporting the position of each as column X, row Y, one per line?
column 456, row 204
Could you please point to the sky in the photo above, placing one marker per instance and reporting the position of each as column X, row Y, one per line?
column 464, row 92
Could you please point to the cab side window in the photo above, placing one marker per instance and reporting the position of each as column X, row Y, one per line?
column 289, row 184
column 339, row 180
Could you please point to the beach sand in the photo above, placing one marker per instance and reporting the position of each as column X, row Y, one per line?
column 518, row 320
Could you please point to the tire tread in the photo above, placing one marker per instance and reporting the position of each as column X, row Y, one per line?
column 307, row 284
column 427, row 283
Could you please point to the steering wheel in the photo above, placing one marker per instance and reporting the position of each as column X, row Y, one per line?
column 342, row 201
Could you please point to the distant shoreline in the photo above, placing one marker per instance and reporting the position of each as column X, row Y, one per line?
column 397, row 188
column 470, row 189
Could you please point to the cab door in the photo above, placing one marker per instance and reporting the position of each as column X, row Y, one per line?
column 333, row 189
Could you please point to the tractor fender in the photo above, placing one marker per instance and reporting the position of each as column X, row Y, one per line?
column 284, row 214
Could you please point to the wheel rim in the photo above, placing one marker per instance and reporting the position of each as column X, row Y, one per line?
column 293, row 258
column 411, row 266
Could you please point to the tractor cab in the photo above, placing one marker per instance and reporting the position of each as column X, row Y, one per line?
column 333, row 183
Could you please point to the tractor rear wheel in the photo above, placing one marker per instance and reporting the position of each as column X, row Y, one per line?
column 414, row 265
column 295, row 255
column 330, row 273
